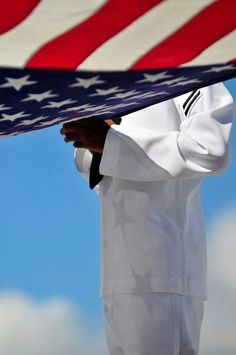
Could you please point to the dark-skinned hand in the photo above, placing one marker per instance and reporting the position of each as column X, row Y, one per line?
column 87, row 133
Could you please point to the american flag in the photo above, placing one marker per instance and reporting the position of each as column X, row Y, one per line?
column 68, row 59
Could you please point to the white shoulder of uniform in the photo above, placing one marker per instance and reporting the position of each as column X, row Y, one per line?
column 197, row 147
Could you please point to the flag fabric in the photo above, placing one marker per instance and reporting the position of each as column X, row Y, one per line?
column 68, row 59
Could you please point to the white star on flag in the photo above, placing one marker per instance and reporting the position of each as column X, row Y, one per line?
column 86, row 83
column 100, row 107
column 12, row 118
column 40, row 97
column 170, row 82
column 48, row 123
column 102, row 112
column 75, row 119
column 154, row 77
column 86, row 109
column 183, row 83
column 4, row 108
column 53, row 104
column 219, row 69
column 78, row 108
column 30, row 122
column 123, row 105
column 10, row 134
column 18, row 83
column 101, row 92
column 123, row 95
column 146, row 95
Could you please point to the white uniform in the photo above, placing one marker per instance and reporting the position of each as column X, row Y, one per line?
column 152, row 232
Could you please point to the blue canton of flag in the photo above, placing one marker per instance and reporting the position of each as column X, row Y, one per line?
column 31, row 99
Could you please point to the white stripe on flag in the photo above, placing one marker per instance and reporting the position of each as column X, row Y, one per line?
column 48, row 20
column 121, row 51
column 220, row 52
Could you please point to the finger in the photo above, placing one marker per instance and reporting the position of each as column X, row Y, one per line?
column 65, row 130
column 109, row 121
column 74, row 128
column 68, row 127
column 88, row 122
column 79, row 145
column 72, row 137
column 76, row 123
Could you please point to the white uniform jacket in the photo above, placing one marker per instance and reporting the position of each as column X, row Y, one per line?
column 152, row 232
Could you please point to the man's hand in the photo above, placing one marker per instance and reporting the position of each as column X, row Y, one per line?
column 87, row 133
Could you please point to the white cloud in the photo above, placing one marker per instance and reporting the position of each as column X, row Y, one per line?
column 54, row 327
column 219, row 324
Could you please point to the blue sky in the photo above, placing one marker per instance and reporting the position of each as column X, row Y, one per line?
column 50, row 219
column 219, row 192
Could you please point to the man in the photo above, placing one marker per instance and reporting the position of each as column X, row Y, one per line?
column 153, row 250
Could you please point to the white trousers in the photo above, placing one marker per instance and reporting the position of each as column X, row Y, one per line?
column 152, row 324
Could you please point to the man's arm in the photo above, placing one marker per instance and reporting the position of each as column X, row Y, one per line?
column 91, row 135
column 200, row 147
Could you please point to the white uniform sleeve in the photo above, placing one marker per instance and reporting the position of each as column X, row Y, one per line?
column 83, row 159
column 200, row 147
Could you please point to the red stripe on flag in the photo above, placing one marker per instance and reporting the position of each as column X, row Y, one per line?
column 12, row 12
column 74, row 46
column 208, row 26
